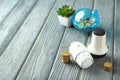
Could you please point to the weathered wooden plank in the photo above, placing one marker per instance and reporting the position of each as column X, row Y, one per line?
column 116, row 66
column 40, row 60
column 105, row 9
column 6, row 7
column 69, row 71
column 12, row 23
column 18, row 49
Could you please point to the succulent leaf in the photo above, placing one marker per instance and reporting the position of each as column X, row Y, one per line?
column 65, row 11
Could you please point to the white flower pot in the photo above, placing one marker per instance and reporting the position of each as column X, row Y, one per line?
column 65, row 21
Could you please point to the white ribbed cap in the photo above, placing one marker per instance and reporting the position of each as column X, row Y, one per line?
column 80, row 54
column 98, row 45
column 84, row 60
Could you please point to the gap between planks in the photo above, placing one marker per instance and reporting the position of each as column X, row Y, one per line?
column 113, row 37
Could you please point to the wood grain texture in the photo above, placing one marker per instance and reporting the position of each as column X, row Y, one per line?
column 105, row 9
column 116, row 66
column 83, row 4
column 12, row 23
column 40, row 60
column 18, row 49
column 71, row 71
column 6, row 7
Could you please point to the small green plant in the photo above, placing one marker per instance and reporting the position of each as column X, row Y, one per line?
column 65, row 11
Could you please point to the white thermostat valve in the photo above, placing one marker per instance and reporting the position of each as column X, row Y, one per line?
column 80, row 54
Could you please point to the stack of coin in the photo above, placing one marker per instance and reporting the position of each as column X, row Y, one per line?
column 108, row 66
column 65, row 56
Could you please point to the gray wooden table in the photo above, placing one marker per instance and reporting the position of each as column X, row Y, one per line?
column 32, row 39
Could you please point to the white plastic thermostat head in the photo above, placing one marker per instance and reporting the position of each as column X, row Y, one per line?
column 97, row 46
column 80, row 54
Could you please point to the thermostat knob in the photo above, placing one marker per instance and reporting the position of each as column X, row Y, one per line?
column 80, row 54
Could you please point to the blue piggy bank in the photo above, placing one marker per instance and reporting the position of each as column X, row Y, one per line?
column 86, row 19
